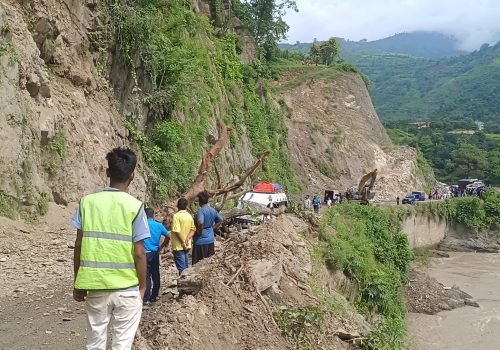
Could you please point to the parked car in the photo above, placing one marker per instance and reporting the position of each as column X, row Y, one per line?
column 419, row 196
column 410, row 199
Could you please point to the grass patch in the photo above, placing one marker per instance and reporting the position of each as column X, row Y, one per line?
column 325, row 169
column 58, row 145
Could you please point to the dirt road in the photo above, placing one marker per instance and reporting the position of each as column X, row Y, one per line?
column 36, row 306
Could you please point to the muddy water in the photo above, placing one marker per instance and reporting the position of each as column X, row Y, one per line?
column 465, row 328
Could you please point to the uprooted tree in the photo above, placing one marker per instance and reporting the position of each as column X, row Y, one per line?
column 227, row 191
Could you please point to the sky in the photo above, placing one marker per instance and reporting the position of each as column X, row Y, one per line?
column 473, row 22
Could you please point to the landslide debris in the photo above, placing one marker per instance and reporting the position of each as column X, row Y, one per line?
column 231, row 300
column 335, row 135
column 426, row 295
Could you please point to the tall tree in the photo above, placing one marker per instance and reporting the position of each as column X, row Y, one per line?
column 329, row 51
column 265, row 20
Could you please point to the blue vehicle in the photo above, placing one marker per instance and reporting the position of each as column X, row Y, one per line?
column 419, row 196
column 410, row 199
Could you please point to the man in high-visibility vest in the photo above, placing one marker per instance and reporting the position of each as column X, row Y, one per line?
column 109, row 257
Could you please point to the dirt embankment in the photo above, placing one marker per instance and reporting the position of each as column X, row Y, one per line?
column 335, row 136
column 426, row 295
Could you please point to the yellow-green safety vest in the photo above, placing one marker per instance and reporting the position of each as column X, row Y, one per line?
column 107, row 253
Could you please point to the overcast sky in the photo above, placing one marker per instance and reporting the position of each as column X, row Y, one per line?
column 473, row 22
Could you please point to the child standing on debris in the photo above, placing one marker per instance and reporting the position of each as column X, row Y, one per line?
column 153, row 249
column 207, row 220
column 109, row 257
column 183, row 230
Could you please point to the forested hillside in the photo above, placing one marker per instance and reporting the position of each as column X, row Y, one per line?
column 454, row 149
column 419, row 44
column 456, row 87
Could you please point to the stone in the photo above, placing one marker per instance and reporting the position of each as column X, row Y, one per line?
column 274, row 293
column 48, row 332
column 345, row 335
column 45, row 90
column 33, row 85
column 3, row 259
column 266, row 273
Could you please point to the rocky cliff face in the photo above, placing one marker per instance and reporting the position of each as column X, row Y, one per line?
column 57, row 117
column 335, row 135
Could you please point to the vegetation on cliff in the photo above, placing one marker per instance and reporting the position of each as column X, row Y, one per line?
column 473, row 212
column 196, row 76
column 370, row 248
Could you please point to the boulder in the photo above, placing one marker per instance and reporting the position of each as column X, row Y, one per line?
column 266, row 273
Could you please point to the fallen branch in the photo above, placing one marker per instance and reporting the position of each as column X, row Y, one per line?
column 199, row 182
column 234, row 276
column 268, row 308
column 241, row 181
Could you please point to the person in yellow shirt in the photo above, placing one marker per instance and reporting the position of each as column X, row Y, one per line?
column 183, row 230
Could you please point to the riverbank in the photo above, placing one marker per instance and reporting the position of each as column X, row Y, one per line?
column 467, row 327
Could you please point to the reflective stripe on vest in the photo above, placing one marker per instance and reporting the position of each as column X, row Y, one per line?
column 106, row 259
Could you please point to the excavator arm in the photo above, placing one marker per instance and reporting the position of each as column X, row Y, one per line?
column 366, row 184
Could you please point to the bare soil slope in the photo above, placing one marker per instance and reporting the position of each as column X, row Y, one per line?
column 335, row 136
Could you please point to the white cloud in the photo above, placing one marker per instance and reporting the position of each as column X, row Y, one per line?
column 472, row 22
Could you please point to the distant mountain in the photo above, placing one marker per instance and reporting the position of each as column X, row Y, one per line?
column 453, row 87
column 418, row 44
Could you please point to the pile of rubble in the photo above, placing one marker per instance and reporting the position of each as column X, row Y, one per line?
column 228, row 300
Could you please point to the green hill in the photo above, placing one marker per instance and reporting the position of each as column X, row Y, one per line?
column 454, row 87
column 418, row 44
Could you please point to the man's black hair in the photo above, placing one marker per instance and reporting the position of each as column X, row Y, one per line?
column 149, row 212
column 121, row 163
column 203, row 197
column 182, row 204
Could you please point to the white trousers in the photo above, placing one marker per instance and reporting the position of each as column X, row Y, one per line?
column 123, row 309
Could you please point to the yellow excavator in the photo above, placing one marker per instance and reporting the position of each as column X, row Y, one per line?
column 364, row 192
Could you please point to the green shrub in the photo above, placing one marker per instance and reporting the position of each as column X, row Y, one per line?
column 9, row 206
column 42, row 204
column 473, row 212
column 58, row 145
column 298, row 324
column 370, row 248
column 195, row 71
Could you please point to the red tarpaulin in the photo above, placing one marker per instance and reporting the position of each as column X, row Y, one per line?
column 265, row 187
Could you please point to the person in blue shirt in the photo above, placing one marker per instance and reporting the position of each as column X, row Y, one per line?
column 153, row 248
column 316, row 203
column 207, row 220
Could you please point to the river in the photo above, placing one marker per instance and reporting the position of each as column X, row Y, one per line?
column 477, row 274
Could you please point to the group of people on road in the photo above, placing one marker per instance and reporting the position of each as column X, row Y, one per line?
column 117, row 252
column 315, row 203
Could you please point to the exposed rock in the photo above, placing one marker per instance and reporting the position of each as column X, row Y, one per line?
column 335, row 137
column 33, row 85
column 266, row 273
column 347, row 335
